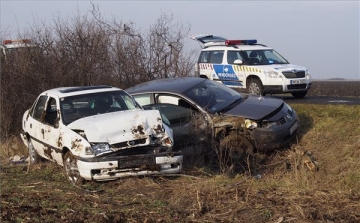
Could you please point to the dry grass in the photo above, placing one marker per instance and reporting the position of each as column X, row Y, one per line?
column 11, row 147
column 282, row 189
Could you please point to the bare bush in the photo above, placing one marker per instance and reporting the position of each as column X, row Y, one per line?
column 88, row 50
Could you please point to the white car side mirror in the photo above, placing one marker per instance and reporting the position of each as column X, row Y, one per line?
column 238, row 61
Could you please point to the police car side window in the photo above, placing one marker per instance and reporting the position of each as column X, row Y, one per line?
column 232, row 56
column 204, row 57
column 216, row 56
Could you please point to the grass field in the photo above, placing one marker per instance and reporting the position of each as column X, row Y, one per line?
column 280, row 189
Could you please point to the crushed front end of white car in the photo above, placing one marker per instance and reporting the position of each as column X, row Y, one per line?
column 125, row 143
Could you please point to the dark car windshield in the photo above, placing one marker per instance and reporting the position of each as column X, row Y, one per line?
column 213, row 96
column 263, row 57
column 84, row 105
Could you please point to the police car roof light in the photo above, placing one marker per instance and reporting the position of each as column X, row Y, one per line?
column 238, row 42
column 233, row 42
column 7, row 41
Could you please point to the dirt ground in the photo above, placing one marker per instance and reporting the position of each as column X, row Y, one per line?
column 42, row 194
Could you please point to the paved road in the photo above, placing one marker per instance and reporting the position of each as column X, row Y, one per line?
column 321, row 100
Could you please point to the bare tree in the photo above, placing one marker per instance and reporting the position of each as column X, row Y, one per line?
column 88, row 50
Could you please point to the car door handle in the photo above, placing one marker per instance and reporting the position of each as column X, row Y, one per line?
column 42, row 131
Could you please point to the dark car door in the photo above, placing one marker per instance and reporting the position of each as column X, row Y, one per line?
column 185, row 120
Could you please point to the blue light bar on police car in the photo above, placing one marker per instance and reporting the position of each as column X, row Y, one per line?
column 241, row 42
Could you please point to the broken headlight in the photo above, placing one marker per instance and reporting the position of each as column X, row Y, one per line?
column 97, row 149
column 249, row 124
column 167, row 142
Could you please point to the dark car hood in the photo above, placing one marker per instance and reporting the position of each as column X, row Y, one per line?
column 255, row 107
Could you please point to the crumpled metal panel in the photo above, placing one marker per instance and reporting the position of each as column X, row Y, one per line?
column 121, row 126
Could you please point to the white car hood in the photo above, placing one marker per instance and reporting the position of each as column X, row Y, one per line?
column 121, row 126
column 282, row 67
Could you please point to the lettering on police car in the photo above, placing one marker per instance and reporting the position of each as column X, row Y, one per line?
column 226, row 75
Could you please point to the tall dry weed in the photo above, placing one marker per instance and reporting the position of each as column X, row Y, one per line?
column 11, row 147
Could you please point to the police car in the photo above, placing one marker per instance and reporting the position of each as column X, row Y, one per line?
column 246, row 64
column 11, row 46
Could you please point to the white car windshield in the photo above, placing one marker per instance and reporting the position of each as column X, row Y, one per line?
column 263, row 57
column 80, row 106
column 213, row 96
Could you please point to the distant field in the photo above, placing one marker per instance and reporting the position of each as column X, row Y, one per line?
column 337, row 88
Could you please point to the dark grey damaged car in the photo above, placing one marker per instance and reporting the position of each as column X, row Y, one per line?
column 201, row 107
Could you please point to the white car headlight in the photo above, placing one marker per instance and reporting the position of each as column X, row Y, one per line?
column 167, row 142
column 97, row 149
column 272, row 74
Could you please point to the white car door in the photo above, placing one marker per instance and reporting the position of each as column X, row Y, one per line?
column 33, row 124
column 51, row 131
column 43, row 128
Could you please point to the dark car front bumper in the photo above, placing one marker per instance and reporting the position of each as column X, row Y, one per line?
column 267, row 139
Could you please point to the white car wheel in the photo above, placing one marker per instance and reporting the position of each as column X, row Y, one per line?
column 71, row 169
column 33, row 155
column 255, row 87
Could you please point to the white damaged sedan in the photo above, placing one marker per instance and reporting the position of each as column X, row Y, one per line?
column 98, row 133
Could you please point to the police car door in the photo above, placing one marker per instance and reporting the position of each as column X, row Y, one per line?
column 217, row 66
column 233, row 67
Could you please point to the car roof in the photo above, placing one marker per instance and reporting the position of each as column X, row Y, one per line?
column 78, row 90
column 236, row 47
column 174, row 85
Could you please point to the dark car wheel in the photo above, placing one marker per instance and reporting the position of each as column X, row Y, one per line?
column 299, row 94
column 255, row 87
column 71, row 169
column 33, row 155
column 235, row 149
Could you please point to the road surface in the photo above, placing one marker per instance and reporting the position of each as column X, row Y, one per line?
column 321, row 100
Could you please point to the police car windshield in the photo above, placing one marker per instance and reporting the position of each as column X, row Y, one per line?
column 264, row 57
column 213, row 96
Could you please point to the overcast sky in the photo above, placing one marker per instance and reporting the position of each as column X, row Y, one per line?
column 320, row 35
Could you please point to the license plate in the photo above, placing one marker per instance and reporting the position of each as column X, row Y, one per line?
column 301, row 81
column 294, row 127
column 135, row 162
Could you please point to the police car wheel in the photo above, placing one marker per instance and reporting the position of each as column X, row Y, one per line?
column 255, row 87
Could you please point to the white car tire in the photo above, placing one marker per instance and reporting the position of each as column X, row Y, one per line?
column 71, row 169
column 255, row 87
column 33, row 155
